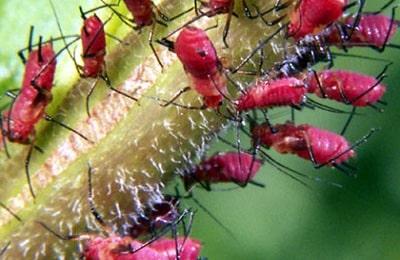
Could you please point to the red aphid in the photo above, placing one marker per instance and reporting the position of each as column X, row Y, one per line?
column 30, row 104
column 312, row 16
column 273, row 93
column 142, row 11
column 346, row 86
column 224, row 167
column 199, row 58
column 372, row 30
column 94, row 46
column 304, row 140
column 123, row 248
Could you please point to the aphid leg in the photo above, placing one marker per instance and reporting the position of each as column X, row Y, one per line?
column 4, row 139
column 321, row 88
column 150, row 40
column 379, row 79
column 92, row 206
column 108, row 84
column 384, row 7
column 278, row 6
column 227, row 24
column 91, row 90
column 27, row 173
column 62, row 237
column 346, row 125
column 266, row 22
column 356, row 21
column 176, row 96
column 260, row 45
column 51, row 119
column 2, row 205
column 268, row 121
column 124, row 19
column 165, row 18
column 4, row 249
column 392, row 21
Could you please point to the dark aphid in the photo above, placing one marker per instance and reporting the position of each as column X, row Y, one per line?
column 234, row 167
column 320, row 146
column 347, row 87
column 202, row 65
column 28, row 106
column 158, row 220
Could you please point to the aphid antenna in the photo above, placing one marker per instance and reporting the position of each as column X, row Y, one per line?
column 27, row 173
column 12, row 213
column 124, row 19
column 348, row 55
column 60, row 236
column 4, row 249
column 348, row 121
column 260, row 45
column 318, row 105
column 84, row 13
column 384, row 7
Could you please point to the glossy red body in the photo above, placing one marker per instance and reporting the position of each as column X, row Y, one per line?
column 29, row 106
column 199, row 58
column 268, row 94
column 224, row 167
column 372, row 30
column 346, row 86
column 301, row 139
column 94, row 46
column 312, row 16
column 220, row 6
column 141, row 10
column 120, row 248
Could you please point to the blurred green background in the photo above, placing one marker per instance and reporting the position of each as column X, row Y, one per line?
column 285, row 219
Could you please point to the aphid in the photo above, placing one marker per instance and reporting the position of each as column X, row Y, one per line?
column 312, row 16
column 189, row 248
column 320, row 146
column 347, row 87
column 202, row 65
column 372, row 30
column 162, row 216
column 266, row 93
column 93, row 38
column 234, row 167
column 28, row 107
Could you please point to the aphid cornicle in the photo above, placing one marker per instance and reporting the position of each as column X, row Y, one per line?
column 202, row 65
column 234, row 167
column 320, row 146
column 346, row 86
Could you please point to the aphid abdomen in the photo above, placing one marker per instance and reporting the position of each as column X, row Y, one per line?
column 94, row 46
column 269, row 94
column 220, row 6
column 347, row 87
column 190, row 248
column 141, row 11
column 325, row 146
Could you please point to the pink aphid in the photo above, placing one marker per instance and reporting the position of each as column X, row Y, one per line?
column 94, row 46
column 346, row 86
column 224, row 167
column 373, row 30
column 142, row 11
column 30, row 104
column 312, row 16
column 199, row 58
column 306, row 141
column 272, row 93
column 219, row 6
column 123, row 248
